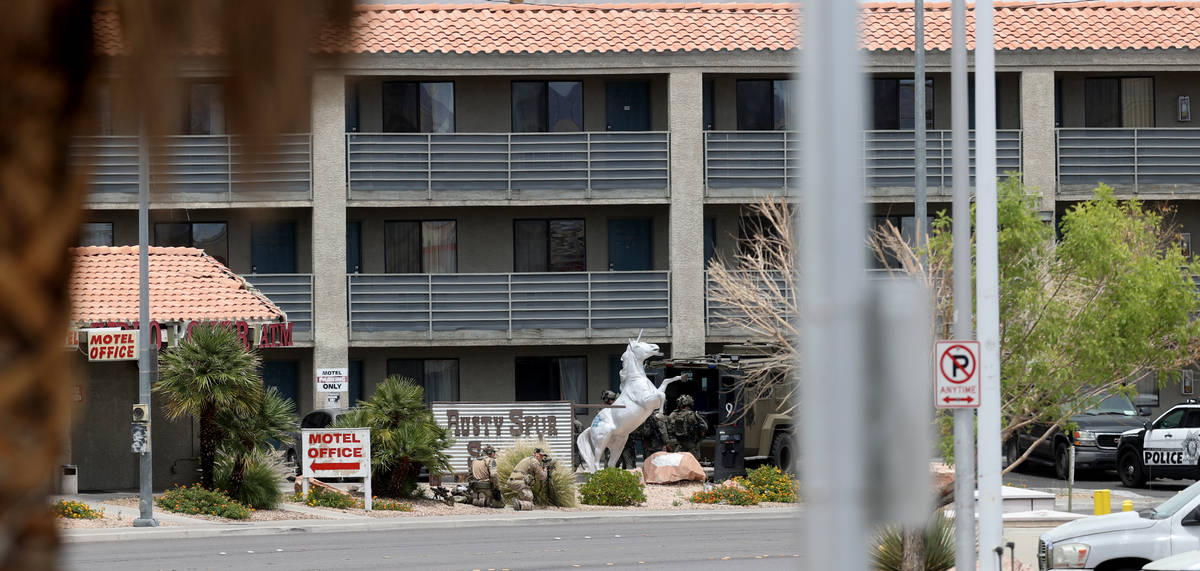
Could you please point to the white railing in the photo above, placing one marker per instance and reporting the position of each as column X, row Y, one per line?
column 507, row 165
column 746, row 160
column 582, row 301
column 197, row 168
column 1140, row 160
column 293, row 293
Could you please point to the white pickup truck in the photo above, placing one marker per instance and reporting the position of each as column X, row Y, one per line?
column 1124, row 541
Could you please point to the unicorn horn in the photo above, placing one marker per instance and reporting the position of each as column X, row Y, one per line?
column 640, row 335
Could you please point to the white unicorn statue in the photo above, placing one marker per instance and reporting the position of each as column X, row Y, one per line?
column 611, row 427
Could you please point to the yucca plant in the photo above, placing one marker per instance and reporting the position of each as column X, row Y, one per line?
column 404, row 437
column 209, row 373
column 263, row 470
column 273, row 419
column 888, row 554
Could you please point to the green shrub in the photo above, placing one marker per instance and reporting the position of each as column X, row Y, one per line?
column 320, row 497
column 770, row 484
column 728, row 495
column 199, row 501
column 264, row 471
column 71, row 509
column 564, row 478
column 390, row 505
column 939, row 546
column 612, row 487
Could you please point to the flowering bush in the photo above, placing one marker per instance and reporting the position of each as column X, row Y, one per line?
column 612, row 487
column 319, row 497
column 199, row 501
column 378, row 503
column 770, row 484
column 71, row 509
column 730, row 495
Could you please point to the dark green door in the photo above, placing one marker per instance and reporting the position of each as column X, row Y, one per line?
column 627, row 106
column 629, row 247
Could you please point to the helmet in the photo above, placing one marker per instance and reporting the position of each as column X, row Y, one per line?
column 488, row 450
column 685, row 400
column 609, row 396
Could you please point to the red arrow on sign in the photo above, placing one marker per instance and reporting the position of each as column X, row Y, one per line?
column 947, row 400
column 335, row 465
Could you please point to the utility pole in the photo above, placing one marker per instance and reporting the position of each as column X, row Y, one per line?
column 919, row 119
column 991, row 529
column 145, row 465
column 964, row 418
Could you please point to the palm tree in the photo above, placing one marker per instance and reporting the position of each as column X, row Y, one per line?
column 404, row 436
column 209, row 373
column 273, row 419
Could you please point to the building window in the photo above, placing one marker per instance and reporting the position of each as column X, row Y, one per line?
column 273, row 247
column 418, row 107
column 547, row 106
column 420, row 247
column 1147, row 390
column 96, row 234
column 1118, row 102
column 549, row 246
column 439, row 377
column 764, row 104
column 551, row 378
column 892, row 105
column 206, row 109
column 212, row 237
column 710, row 111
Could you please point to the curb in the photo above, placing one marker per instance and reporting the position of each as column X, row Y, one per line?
column 374, row 524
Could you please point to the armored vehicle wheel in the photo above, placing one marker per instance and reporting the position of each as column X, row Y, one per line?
column 781, row 452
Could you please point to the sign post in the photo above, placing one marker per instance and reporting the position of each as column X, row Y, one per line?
column 336, row 453
column 957, row 379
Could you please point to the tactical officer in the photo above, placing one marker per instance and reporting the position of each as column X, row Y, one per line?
column 686, row 427
column 609, row 396
column 524, row 474
column 652, row 434
column 484, row 481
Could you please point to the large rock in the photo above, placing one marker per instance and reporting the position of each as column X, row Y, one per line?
column 668, row 467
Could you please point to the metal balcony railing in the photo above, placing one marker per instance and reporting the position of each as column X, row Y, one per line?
column 197, row 168
column 293, row 293
column 730, row 319
column 1137, row 160
column 770, row 160
column 410, row 166
column 583, row 302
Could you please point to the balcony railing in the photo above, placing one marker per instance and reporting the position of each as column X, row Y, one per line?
column 740, row 163
column 293, row 293
column 1147, row 161
column 550, row 305
column 430, row 166
column 728, row 318
column 197, row 168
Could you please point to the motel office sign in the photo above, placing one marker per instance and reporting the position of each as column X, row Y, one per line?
column 252, row 335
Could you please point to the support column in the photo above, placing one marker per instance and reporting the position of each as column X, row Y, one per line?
column 1037, row 134
column 330, row 332
column 685, row 111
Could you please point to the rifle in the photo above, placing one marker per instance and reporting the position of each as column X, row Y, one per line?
column 551, row 493
column 441, row 493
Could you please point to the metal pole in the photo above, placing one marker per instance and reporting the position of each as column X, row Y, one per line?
column 964, row 418
column 834, row 298
column 987, row 312
column 919, row 118
column 145, row 464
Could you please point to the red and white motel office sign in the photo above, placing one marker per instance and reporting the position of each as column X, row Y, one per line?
column 336, row 453
column 112, row 345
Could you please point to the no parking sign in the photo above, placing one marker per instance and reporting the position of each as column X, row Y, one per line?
column 957, row 383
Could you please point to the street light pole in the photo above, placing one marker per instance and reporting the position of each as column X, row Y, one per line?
column 919, row 118
column 145, row 464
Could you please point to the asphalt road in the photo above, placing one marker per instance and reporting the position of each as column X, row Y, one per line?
column 703, row 543
column 1042, row 478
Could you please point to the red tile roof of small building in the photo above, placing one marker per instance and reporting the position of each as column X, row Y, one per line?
column 185, row 284
column 694, row 27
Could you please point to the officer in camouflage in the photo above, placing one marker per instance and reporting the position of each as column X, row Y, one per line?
column 652, row 434
column 524, row 474
column 686, row 427
column 483, row 482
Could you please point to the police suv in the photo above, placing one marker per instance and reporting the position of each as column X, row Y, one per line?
column 1169, row 447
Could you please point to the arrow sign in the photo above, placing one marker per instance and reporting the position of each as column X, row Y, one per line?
column 957, row 380
column 335, row 465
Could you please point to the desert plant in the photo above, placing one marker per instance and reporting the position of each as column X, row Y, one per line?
column 208, row 373
column 726, row 495
column 612, row 487
column 888, row 553
column 404, row 437
column 770, row 484
column 563, row 479
column 263, row 471
column 388, row 504
column 199, row 501
column 272, row 418
column 320, row 497
column 71, row 509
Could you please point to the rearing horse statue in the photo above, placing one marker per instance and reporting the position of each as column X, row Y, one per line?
column 612, row 426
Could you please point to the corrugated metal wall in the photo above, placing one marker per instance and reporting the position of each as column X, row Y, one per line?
column 475, row 424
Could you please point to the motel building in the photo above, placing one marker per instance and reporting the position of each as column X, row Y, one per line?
column 187, row 287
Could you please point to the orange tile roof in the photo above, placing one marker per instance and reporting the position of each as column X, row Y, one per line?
column 683, row 27
column 185, row 284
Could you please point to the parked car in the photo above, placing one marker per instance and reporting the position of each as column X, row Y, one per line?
column 320, row 418
column 1125, row 541
column 1169, row 447
column 1096, row 434
column 1187, row 561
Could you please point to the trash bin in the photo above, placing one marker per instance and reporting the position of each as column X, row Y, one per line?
column 70, row 479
